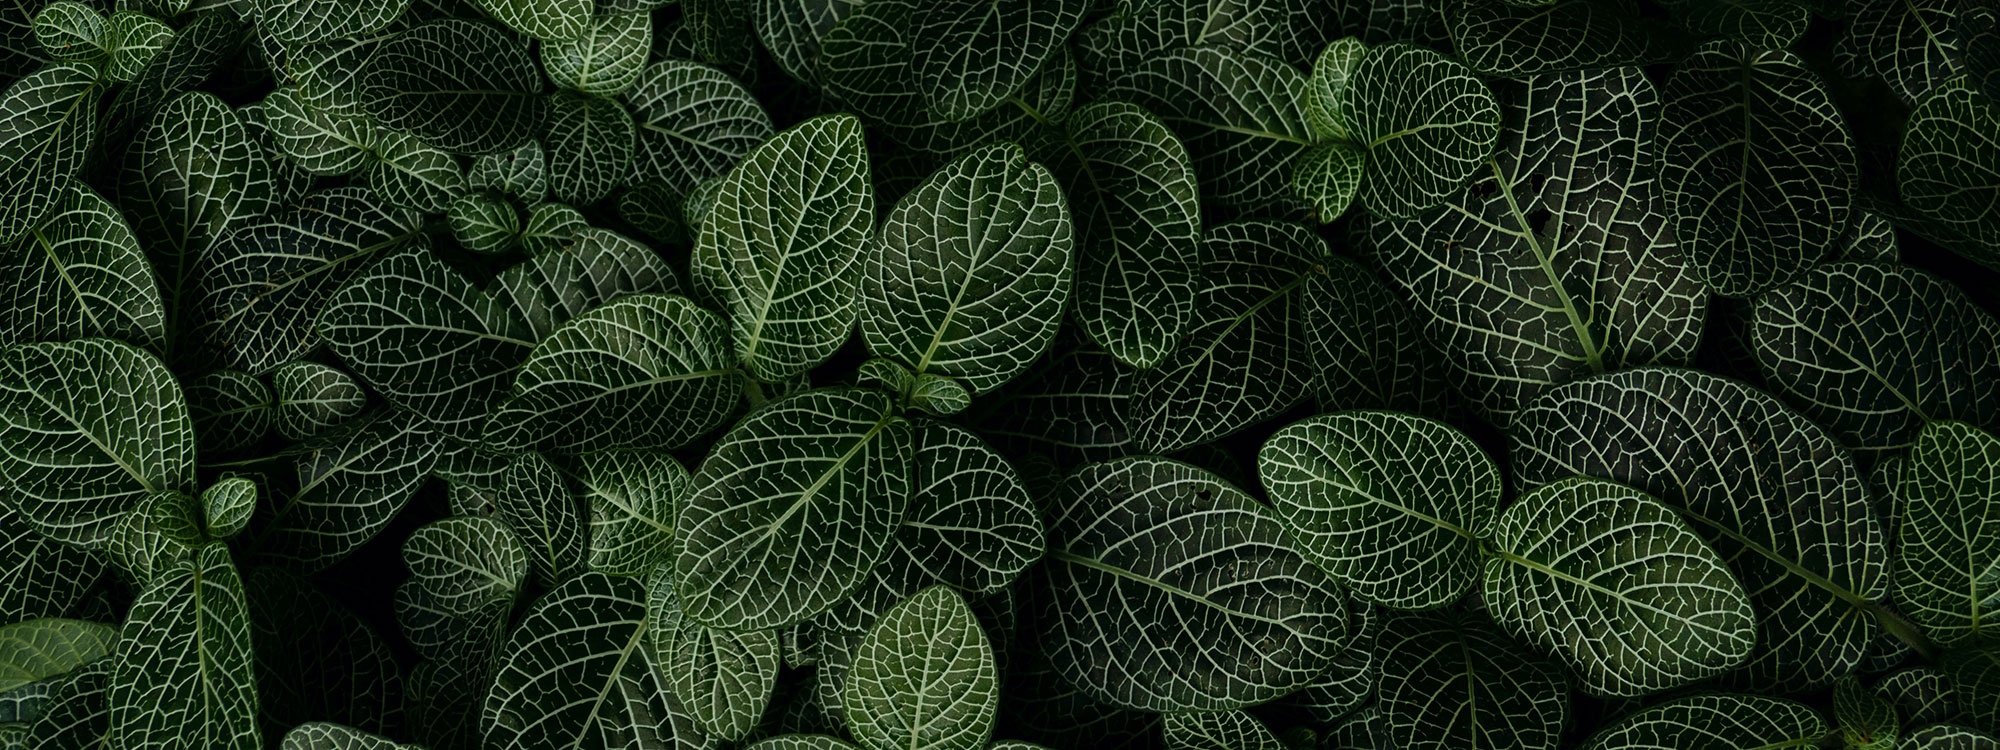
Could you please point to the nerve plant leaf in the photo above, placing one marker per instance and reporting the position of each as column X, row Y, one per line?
column 694, row 122
column 43, row 648
column 312, row 398
column 924, row 678
column 1946, row 168
column 1716, row 720
column 1151, row 540
column 183, row 673
column 723, row 678
column 605, row 59
column 1947, row 554
column 80, row 273
column 51, row 123
column 634, row 499
column 974, row 54
column 415, row 82
column 464, row 564
column 1242, row 118
column 1427, row 124
column 1452, row 681
column 340, row 489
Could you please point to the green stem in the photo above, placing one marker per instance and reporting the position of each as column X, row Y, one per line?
column 753, row 389
column 1904, row 630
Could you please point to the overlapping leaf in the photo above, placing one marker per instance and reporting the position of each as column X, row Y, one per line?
column 464, row 564
column 50, row 126
column 1242, row 118
column 1427, row 123
column 590, row 146
column 1948, row 170
column 312, row 398
column 974, row 54
column 417, row 81
column 606, row 58
column 1452, row 681
column 1947, row 554
column 695, row 122
column 1219, row 730
column 39, row 576
column 302, row 22
column 924, row 678
column 1715, row 720
column 183, row 674
column 723, row 678
column 1506, row 39
column 39, row 649
column 80, row 274
column 971, row 523
column 342, row 488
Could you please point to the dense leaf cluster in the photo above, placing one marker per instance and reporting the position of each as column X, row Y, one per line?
column 967, row 374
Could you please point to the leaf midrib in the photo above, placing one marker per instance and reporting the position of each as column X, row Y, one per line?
column 1118, row 572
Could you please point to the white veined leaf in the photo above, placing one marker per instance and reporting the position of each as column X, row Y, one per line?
column 606, row 59
column 312, row 398
column 227, row 505
column 1244, row 357
column 1766, row 24
column 792, row 29
column 1242, row 118
column 1873, row 351
column 1715, row 720
column 1453, row 680
column 1146, row 539
column 547, row 20
column 550, row 227
column 634, row 498
column 155, row 538
column 1349, row 683
column 201, row 45
column 723, row 678
column 465, row 564
column 535, row 499
column 788, row 228
column 579, row 671
column 969, row 274
column 1371, row 346
column 924, row 678
column 46, row 578
column 1802, row 539
column 1502, row 39
column 1394, row 506
column 1562, row 264
column 317, row 140
column 1867, row 722
column 75, row 717
column 80, row 274
column 645, row 371
column 521, row 172
column 1326, row 88
column 972, row 55
column 50, row 126
column 183, row 674
column 1947, row 548
column 267, row 282
column 971, row 523
column 87, row 430
column 1922, row 694
column 1974, row 670
column 68, row 31
column 1907, row 45
column 1428, row 124
column 1948, row 737
column 302, row 22
column 1759, row 170
column 1948, row 169
column 484, row 223
column 792, row 508
column 1219, row 730
column 801, row 741
column 1289, row 31
column 342, row 488
column 417, row 82
column 590, row 143
column 1660, row 608
column 38, row 649
column 408, row 172
column 694, row 122
column 1327, row 179
column 598, row 266
column 1138, row 229
column 321, row 735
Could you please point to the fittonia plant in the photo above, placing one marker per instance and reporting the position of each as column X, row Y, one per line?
column 999, row 374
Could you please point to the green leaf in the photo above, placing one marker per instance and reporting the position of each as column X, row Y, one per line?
column 1759, row 171
column 604, row 60
column 1947, row 555
column 645, row 371
column 1219, row 730
column 923, row 678
column 521, row 172
column 634, row 498
column 313, row 398
column 1907, row 44
column 50, row 126
column 1974, row 669
column 1758, row 24
column 579, row 671
column 1138, row 229
column 550, row 227
column 267, row 282
column 1715, row 720
column 1922, row 695
column 1872, row 351
column 1801, row 539
column 1948, row 170
column 1326, row 88
column 1350, row 682
column 971, row 522
column 302, row 22
column 1327, row 178
column 719, row 34
column 694, row 122
column 227, row 505
column 724, row 678
column 1147, row 539
column 1662, row 608
column 1428, row 124
column 407, row 172
column 80, row 274
column 590, row 145
column 788, row 227
column 87, row 430
column 1948, row 737
column 415, row 82
column 969, row 274
column 43, row 648
column 1454, row 681
column 75, row 719
column 46, row 578
column 1516, row 42
column 1561, row 265
column 535, row 500
column 155, row 538
column 320, row 735
column 465, row 564
column 792, row 507
column 1867, row 722
column 801, row 741
column 547, row 20
column 69, row 31
column 791, row 31
column 484, row 223
column 1242, row 118
column 549, row 289
column 342, row 488
column 202, row 45
column 1392, row 505
column 134, row 40
column 1289, row 31
column 321, row 142
column 971, row 55
column 182, row 674
column 1373, row 348
column 1243, row 358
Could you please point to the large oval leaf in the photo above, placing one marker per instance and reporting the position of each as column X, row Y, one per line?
column 1947, row 550
column 1455, row 681
column 792, row 508
column 1948, row 169
column 724, row 678
column 416, row 81
column 1561, row 265
column 1152, row 540
column 578, row 671
column 1801, row 538
column 1719, row 720
column 971, row 523
column 970, row 273
column 604, row 60
column 464, row 564
column 590, row 143
column 971, row 55
column 1662, row 609
column 634, row 498
column 785, row 234
column 1873, row 350
column 646, row 371
column 87, row 430
column 39, row 649
column 695, row 122
column 1392, row 505
column 924, row 678
column 343, row 488
column 1759, row 171
column 1427, row 123
column 183, row 675
column 1242, row 118
column 80, row 274
column 50, row 125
